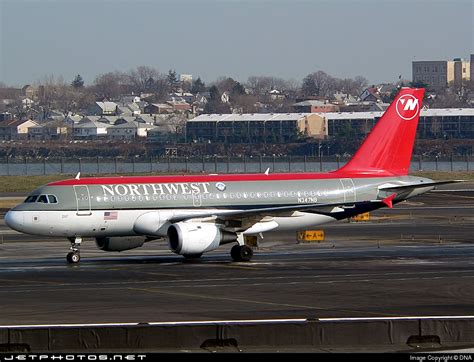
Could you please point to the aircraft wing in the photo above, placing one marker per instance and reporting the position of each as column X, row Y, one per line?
column 271, row 211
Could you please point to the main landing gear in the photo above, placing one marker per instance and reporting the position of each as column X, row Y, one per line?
column 241, row 253
column 74, row 256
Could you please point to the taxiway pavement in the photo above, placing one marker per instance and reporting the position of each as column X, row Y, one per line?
column 414, row 260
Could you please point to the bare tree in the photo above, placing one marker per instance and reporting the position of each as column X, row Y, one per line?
column 143, row 78
column 110, row 85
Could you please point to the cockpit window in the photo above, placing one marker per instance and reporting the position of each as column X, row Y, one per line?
column 43, row 199
column 52, row 199
column 31, row 198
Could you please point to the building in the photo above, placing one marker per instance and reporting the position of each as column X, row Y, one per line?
column 315, row 106
column 127, row 128
column 29, row 91
column 90, row 128
column 370, row 94
column 255, row 128
column 442, row 73
column 103, row 109
column 159, row 108
column 471, row 66
column 441, row 123
column 15, row 129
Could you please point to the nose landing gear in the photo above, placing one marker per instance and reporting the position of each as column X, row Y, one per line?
column 74, row 256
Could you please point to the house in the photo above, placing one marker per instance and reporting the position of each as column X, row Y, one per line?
column 103, row 109
column 343, row 98
column 90, row 128
column 122, row 130
column 129, row 109
column 9, row 130
column 186, row 96
column 73, row 119
column 6, row 116
column 147, row 119
column 130, row 99
column 127, row 128
column 158, row 108
column 51, row 130
column 15, row 129
column 370, row 94
column 276, row 95
column 179, row 105
column 22, row 127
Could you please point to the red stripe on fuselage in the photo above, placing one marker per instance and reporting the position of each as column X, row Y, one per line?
column 214, row 178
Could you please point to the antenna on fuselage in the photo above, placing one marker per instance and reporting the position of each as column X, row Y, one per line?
column 78, row 176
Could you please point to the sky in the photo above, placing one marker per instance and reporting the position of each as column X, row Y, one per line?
column 377, row 39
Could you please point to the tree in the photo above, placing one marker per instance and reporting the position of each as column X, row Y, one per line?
column 173, row 82
column 143, row 78
column 237, row 89
column 198, row 86
column 309, row 87
column 110, row 85
column 78, row 82
column 215, row 105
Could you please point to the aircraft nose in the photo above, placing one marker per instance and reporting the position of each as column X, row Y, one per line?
column 14, row 220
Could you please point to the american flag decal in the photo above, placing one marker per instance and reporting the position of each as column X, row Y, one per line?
column 110, row 215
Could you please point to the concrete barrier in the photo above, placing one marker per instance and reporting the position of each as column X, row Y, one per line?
column 385, row 333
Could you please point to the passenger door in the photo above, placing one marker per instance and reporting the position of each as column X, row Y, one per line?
column 83, row 200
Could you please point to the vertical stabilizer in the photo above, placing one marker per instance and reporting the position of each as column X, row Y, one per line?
column 388, row 148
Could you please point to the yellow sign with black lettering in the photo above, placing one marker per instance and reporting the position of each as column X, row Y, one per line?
column 311, row 235
column 361, row 217
column 251, row 240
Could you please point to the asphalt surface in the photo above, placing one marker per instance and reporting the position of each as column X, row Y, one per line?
column 414, row 260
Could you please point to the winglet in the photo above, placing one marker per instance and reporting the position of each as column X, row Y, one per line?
column 389, row 200
column 267, row 171
column 78, row 176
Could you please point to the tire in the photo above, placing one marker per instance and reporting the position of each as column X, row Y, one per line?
column 192, row 256
column 73, row 258
column 241, row 253
column 234, row 252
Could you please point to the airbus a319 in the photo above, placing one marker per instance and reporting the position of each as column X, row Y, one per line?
column 199, row 213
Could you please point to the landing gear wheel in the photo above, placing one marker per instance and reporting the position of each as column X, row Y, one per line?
column 73, row 258
column 241, row 253
column 192, row 256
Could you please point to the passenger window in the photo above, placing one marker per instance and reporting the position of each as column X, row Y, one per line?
column 31, row 198
column 52, row 199
column 43, row 199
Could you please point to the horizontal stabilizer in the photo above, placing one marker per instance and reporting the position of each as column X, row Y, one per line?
column 389, row 200
column 395, row 188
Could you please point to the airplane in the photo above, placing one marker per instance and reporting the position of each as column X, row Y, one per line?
column 199, row 213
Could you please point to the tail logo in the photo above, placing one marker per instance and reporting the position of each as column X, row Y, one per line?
column 407, row 107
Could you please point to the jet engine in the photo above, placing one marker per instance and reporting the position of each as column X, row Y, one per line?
column 119, row 243
column 191, row 238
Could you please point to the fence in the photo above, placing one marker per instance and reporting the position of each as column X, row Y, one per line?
column 213, row 164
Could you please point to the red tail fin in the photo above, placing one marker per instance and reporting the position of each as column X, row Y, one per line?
column 388, row 148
